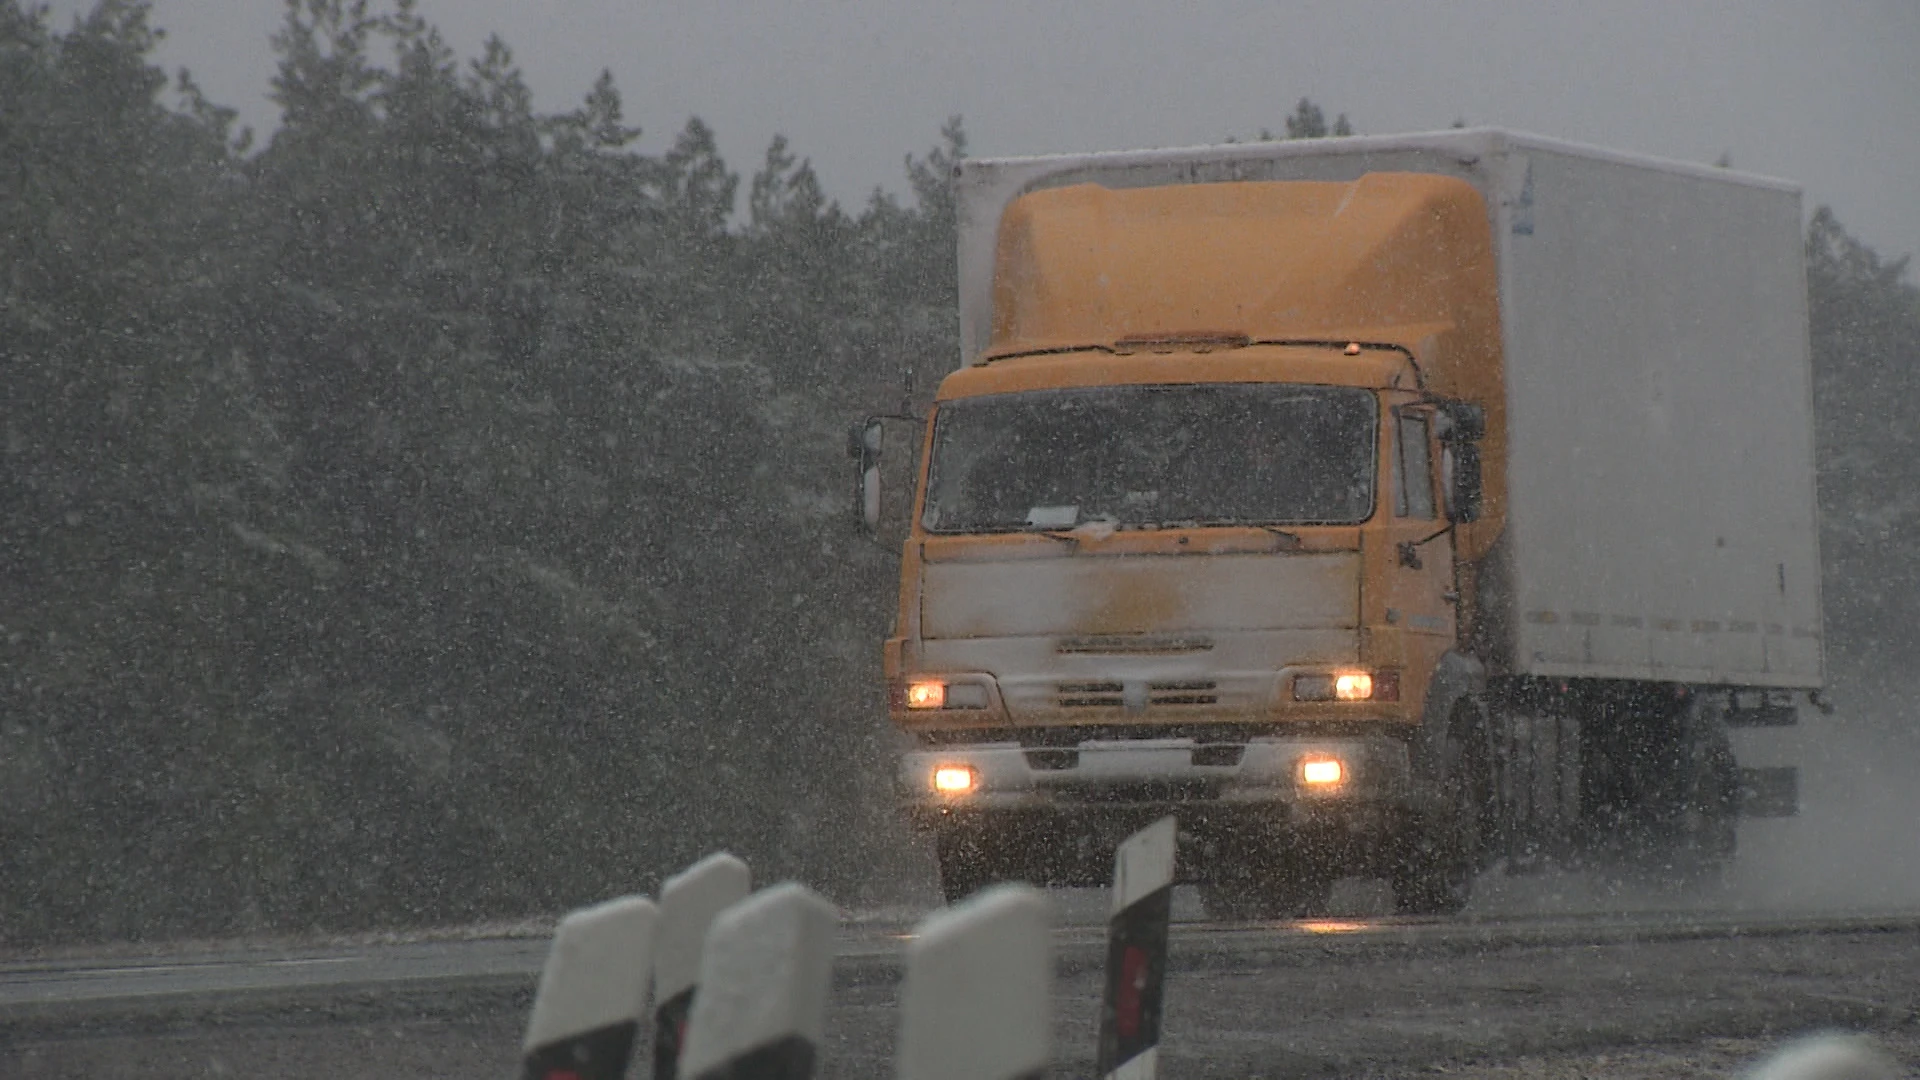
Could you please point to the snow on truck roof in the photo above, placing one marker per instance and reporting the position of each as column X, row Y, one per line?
column 1461, row 143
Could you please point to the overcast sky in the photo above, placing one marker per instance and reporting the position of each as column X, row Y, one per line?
column 1823, row 92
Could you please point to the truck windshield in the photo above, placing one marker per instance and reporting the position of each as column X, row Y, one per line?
column 1153, row 456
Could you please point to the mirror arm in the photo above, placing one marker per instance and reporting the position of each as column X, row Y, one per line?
column 1410, row 549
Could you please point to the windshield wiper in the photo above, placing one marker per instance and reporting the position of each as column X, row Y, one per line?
column 1099, row 528
column 1289, row 541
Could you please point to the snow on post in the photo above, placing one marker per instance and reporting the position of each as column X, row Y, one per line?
column 1137, row 953
column 975, row 1001
column 762, row 1005
column 689, row 901
column 593, row 992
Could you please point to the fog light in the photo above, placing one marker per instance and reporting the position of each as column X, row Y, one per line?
column 1322, row 772
column 953, row 779
column 926, row 695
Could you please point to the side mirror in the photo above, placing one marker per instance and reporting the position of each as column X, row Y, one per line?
column 1462, row 426
column 863, row 446
column 1462, row 463
column 1465, row 422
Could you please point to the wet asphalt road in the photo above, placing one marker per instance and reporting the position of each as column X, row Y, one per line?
column 1640, row 994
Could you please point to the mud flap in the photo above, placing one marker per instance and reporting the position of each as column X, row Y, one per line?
column 1770, row 793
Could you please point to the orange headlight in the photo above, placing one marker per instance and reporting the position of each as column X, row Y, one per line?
column 1348, row 686
column 1353, row 686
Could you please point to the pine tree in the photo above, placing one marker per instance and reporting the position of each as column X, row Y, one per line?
column 1309, row 122
column 1866, row 338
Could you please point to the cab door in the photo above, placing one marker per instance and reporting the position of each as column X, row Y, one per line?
column 1420, row 581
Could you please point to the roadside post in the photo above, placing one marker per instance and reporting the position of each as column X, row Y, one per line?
column 974, row 1004
column 762, row 1002
column 689, row 902
column 1137, row 953
column 592, row 993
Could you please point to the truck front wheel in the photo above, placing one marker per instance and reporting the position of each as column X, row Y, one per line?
column 968, row 861
column 1433, row 871
column 1288, row 890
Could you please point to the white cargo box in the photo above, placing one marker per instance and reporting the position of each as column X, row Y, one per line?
column 1661, row 512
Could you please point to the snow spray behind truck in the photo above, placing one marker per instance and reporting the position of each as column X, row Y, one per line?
column 1388, row 506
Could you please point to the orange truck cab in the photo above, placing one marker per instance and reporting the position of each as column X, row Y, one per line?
column 1214, row 521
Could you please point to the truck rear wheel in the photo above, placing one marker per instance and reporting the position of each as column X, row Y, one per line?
column 1698, row 828
column 1662, row 797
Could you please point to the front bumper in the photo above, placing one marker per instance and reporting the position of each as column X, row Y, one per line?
column 1259, row 778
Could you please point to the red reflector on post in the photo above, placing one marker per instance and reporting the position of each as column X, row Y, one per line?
column 1133, row 981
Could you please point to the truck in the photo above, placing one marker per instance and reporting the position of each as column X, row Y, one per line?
column 1388, row 506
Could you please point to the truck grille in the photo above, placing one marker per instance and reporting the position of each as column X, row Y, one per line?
column 1112, row 695
column 1079, row 695
column 1181, row 693
column 1070, row 736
